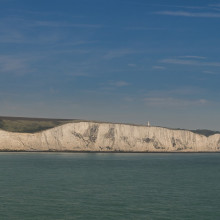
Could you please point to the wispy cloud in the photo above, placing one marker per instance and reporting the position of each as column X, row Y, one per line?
column 179, row 97
column 119, row 83
column 78, row 74
column 14, row 65
column 169, row 5
column 170, row 101
column 180, row 61
column 132, row 65
column 15, row 29
column 190, row 62
column 21, row 22
column 214, row 5
column 119, row 53
column 11, row 36
column 194, row 57
column 112, row 86
column 189, row 7
column 189, row 14
column 179, row 92
column 216, row 9
column 158, row 67
column 62, row 24
column 144, row 28
column 209, row 72
column 128, row 99
column 45, row 14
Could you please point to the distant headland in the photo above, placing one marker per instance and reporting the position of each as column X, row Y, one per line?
column 75, row 135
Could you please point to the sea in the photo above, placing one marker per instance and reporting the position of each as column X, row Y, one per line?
column 84, row 186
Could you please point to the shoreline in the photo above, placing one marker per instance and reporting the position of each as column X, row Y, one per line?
column 110, row 152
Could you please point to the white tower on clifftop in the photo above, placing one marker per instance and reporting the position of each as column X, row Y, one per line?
column 148, row 124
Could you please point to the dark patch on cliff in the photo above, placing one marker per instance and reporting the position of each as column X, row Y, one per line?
column 109, row 148
column 125, row 139
column 178, row 144
column 110, row 134
column 156, row 143
column 173, row 141
column 218, row 144
column 81, row 137
column 147, row 140
column 92, row 133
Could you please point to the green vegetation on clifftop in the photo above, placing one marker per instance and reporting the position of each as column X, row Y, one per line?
column 205, row 132
column 29, row 125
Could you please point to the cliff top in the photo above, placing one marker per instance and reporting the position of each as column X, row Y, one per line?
column 32, row 125
column 29, row 125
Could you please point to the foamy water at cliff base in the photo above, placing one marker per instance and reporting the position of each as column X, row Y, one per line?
column 54, row 186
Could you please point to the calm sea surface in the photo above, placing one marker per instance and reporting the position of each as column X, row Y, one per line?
column 109, row 186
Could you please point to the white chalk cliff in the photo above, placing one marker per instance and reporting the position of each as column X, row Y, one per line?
column 90, row 136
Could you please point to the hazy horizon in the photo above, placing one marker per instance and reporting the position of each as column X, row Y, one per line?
column 118, row 61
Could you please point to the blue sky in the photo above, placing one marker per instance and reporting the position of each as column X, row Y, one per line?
column 119, row 60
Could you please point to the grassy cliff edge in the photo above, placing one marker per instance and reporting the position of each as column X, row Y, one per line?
column 33, row 125
column 29, row 125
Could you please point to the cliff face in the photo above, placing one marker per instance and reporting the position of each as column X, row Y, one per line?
column 89, row 136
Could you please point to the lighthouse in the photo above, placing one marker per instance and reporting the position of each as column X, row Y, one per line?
column 148, row 124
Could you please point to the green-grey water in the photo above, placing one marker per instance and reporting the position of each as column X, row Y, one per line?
column 109, row 186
